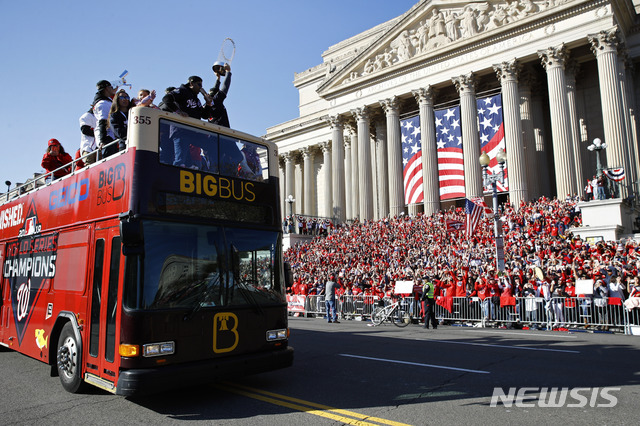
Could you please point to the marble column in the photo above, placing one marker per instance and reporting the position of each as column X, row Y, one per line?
column 299, row 193
column 283, row 203
column 508, row 75
column 307, row 163
column 528, row 138
column 337, row 161
column 327, row 211
column 625, row 64
column 394, row 149
column 364, row 163
column 543, row 170
column 632, row 77
column 430, row 179
column 348, row 187
column 553, row 60
column 355, row 188
column 381, row 165
column 289, row 170
column 374, row 170
column 604, row 45
column 465, row 85
column 571, row 71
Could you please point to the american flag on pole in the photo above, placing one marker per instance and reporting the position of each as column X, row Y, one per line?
column 412, row 160
column 480, row 201
column 491, row 129
column 449, row 148
column 474, row 214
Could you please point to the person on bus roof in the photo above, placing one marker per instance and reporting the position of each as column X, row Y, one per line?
column 219, row 94
column 88, row 147
column 119, row 116
column 55, row 158
column 184, row 101
column 101, row 107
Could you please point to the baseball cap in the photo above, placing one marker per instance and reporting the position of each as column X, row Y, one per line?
column 103, row 84
column 53, row 142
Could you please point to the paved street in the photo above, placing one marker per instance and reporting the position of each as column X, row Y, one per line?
column 350, row 372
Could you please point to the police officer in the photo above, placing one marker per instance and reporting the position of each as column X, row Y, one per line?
column 428, row 303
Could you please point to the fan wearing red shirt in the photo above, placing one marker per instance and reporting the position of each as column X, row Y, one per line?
column 570, row 302
column 55, row 158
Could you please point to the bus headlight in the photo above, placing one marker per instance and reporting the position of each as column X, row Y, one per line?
column 158, row 349
column 273, row 335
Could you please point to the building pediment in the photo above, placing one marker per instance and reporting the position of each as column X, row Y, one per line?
column 430, row 27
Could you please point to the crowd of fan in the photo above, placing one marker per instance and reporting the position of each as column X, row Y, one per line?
column 369, row 257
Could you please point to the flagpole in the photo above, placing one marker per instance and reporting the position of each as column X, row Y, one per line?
column 493, row 182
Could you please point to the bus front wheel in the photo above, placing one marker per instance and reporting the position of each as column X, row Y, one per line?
column 69, row 360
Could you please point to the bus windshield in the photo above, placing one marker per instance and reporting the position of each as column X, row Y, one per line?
column 192, row 266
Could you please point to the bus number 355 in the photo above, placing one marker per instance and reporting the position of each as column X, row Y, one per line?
column 141, row 119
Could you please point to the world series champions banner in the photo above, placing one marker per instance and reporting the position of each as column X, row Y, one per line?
column 29, row 262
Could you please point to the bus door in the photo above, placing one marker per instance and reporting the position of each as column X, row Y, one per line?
column 101, row 350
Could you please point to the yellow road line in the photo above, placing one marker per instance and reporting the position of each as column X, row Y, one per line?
column 295, row 403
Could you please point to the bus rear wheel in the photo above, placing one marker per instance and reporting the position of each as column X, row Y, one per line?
column 69, row 360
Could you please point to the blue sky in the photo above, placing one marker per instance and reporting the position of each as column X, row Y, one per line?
column 53, row 53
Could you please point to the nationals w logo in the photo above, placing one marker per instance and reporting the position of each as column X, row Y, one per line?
column 29, row 262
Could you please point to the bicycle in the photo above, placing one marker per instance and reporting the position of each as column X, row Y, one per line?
column 393, row 313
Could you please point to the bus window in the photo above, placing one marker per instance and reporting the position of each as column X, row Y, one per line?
column 239, row 158
column 112, row 299
column 214, row 153
column 94, row 342
column 256, row 255
column 180, row 266
column 251, row 167
column 230, row 155
column 203, row 145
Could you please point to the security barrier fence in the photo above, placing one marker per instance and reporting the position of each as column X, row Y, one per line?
column 533, row 312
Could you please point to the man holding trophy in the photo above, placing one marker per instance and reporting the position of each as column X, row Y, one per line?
column 219, row 92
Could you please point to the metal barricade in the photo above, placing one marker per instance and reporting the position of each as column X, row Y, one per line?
column 315, row 305
column 358, row 307
column 533, row 312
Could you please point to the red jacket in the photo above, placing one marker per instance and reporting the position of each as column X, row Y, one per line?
column 51, row 162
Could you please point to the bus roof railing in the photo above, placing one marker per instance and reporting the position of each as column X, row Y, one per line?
column 44, row 179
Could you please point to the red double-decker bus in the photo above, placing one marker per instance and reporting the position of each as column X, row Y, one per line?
column 134, row 274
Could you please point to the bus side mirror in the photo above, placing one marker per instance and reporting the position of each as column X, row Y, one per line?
column 288, row 275
column 132, row 235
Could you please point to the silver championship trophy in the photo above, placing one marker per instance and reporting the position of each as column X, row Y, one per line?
column 227, row 52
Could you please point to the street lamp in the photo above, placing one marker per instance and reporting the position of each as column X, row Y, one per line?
column 492, row 180
column 597, row 146
column 291, row 200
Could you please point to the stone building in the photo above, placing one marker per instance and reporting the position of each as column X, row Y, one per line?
column 564, row 73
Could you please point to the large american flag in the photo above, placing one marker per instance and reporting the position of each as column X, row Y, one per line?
column 449, row 148
column 474, row 214
column 412, row 160
column 491, row 129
